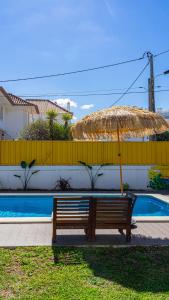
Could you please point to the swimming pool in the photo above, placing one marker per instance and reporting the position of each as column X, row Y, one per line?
column 41, row 206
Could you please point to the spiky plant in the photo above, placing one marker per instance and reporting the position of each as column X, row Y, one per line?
column 66, row 118
column 25, row 178
column 51, row 116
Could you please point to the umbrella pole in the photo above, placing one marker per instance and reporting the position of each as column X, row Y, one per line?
column 120, row 160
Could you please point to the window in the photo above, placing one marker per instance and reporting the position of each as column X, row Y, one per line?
column 1, row 113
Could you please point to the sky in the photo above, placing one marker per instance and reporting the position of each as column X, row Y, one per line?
column 41, row 37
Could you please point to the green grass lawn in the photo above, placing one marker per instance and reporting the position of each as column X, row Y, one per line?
column 84, row 273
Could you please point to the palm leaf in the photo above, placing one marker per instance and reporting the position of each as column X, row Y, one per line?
column 23, row 164
column 100, row 174
column 34, row 172
column 31, row 164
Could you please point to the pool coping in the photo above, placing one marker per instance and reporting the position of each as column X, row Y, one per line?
column 21, row 220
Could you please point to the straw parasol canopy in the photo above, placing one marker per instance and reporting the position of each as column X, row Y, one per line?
column 118, row 123
column 130, row 121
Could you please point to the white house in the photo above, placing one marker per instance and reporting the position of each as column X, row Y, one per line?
column 44, row 106
column 16, row 113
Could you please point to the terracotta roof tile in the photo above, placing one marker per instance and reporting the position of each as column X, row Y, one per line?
column 15, row 100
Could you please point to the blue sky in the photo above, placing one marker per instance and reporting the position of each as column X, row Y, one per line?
column 41, row 37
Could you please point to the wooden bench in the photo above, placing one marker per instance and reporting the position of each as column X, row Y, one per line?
column 111, row 213
column 71, row 213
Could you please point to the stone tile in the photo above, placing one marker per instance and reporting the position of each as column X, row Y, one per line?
column 34, row 234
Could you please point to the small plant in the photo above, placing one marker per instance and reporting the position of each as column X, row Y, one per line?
column 126, row 186
column 25, row 178
column 93, row 175
column 63, row 184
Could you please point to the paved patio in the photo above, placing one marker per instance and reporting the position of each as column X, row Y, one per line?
column 34, row 234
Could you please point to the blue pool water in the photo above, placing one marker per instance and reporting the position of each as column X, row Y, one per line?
column 41, row 206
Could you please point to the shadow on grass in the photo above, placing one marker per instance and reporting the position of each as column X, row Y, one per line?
column 143, row 269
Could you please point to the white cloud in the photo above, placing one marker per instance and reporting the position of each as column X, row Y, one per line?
column 74, row 118
column 63, row 102
column 87, row 106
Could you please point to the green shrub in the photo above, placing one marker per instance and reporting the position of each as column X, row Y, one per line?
column 157, row 182
column 38, row 130
column 43, row 130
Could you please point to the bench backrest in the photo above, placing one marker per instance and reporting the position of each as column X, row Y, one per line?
column 133, row 198
column 71, row 209
column 112, row 210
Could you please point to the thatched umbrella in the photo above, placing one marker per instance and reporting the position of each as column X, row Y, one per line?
column 118, row 123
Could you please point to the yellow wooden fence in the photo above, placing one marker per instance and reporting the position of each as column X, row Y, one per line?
column 70, row 152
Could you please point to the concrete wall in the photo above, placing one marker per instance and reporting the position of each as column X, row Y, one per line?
column 135, row 176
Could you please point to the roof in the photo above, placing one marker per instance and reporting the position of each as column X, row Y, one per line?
column 44, row 105
column 17, row 101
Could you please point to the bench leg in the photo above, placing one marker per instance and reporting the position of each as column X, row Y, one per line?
column 86, row 230
column 91, row 234
column 128, row 234
column 54, row 235
column 121, row 231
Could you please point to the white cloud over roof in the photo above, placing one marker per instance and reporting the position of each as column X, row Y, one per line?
column 64, row 102
column 87, row 106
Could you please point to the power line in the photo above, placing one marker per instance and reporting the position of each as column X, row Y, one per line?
column 131, row 85
column 88, row 92
column 96, row 94
column 75, row 93
column 86, row 95
column 161, row 53
column 73, row 72
column 80, row 71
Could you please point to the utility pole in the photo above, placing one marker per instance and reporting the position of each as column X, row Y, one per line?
column 151, row 97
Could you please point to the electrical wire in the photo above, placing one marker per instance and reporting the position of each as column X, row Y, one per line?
column 87, row 95
column 131, row 85
column 99, row 94
column 161, row 53
column 73, row 72
column 80, row 71
column 75, row 93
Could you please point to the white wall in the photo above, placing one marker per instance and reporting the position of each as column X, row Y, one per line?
column 135, row 176
column 15, row 119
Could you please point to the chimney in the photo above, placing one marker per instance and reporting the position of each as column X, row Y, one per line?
column 68, row 106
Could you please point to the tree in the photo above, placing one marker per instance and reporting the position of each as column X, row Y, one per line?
column 38, row 130
column 60, row 132
column 66, row 118
column 163, row 136
column 51, row 116
column 67, row 132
